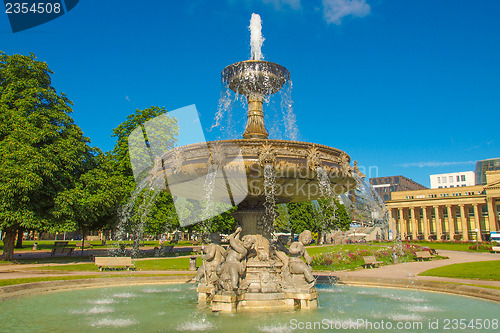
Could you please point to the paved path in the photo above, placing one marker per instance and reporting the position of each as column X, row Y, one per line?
column 411, row 270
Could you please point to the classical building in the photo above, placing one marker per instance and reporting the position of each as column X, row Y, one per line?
column 454, row 179
column 447, row 213
column 483, row 166
column 386, row 185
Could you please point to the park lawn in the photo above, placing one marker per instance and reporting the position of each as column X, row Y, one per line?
column 479, row 270
column 140, row 265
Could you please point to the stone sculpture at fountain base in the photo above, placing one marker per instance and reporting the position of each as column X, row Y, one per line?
column 267, row 279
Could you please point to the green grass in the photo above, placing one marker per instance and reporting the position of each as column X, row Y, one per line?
column 140, row 265
column 480, row 270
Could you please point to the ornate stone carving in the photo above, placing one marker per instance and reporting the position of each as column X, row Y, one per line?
column 344, row 164
column 313, row 159
column 267, row 155
column 213, row 256
column 233, row 268
column 177, row 161
column 217, row 155
column 300, row 275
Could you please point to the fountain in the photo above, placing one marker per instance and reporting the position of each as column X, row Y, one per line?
column 255, row 272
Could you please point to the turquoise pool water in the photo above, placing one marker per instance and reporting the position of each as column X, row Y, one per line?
column 174, row 308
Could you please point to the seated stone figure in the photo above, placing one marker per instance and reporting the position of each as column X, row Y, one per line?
column 213, row 257
column 296, row 265
column 233, row 268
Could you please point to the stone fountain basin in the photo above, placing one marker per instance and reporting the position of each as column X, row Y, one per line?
column 255, row 76
column 295, row 166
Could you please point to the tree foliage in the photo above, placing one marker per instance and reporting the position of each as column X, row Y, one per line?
column 42, row 151
column 93, row 203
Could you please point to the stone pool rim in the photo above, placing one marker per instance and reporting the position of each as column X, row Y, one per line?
column 34, row 288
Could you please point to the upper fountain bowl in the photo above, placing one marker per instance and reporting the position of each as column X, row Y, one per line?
column 255, row 77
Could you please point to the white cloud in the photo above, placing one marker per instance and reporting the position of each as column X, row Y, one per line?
column 127, row 98
column 434, row 164
column 294, row 4
column 335, row 10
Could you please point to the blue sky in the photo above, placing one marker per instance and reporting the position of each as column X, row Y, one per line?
column 404, row 87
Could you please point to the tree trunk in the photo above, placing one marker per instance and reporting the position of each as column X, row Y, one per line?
column 83, row 240
column 8, row 244
column 19, row 242
column 319, row 241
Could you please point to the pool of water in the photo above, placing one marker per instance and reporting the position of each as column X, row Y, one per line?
column 174, row 308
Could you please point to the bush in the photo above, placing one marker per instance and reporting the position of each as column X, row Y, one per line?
column 480, row 247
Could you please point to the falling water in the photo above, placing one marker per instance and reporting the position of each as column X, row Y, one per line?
column 256, row 38
column 208, row 200
column 328, row 201
column 368, row 209
column 291, row 129
column 132, row 217
column 270, row 194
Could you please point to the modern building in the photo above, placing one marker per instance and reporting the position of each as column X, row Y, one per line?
column 453, row 213
column 483, row 166
column 386, row 185
column 454, row 179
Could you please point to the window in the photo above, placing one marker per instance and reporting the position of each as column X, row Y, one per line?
column 458, row 178
column 451, row 179
column 440, row 187
column 444, row 180
column 439, row 180
column 452, row 185
column 463, row 178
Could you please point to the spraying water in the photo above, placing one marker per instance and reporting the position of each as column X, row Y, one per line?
column 270, row 203
column 256, row 39
column 133, row 216
column 208, row 201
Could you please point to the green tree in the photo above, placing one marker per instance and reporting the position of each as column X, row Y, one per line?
column 42, row 151
column 160, row 135
column 93, row 202
column 142, row 137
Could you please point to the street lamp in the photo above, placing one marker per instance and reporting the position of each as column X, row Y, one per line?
column 477, row 238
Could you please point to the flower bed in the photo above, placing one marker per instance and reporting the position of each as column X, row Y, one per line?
column 348, row 259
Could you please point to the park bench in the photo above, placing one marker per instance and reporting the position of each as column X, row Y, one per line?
column 423, row 255
column 61, row 247
column 495, row 249
column 114, row 262
column 371, row 261
column 85, row 244
column 431, row 251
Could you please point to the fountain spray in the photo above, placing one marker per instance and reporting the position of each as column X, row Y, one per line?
column 256, row 39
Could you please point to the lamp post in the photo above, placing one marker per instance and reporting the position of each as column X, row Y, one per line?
column 477, row 238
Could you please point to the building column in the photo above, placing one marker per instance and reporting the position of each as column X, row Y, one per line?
column 492, row 214
column 439, row 223
column 414, row 226
column 425, row 224
column 465, row 227
column 394, row 222
column 478, row 222
column 402, row 224
column 451, row 222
